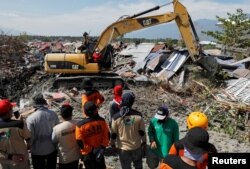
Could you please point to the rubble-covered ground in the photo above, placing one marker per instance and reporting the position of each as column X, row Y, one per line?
column 228, row 124
column 148, row 98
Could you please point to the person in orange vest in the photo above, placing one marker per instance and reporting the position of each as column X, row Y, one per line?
column 92, row 135
column 91, row 94
column 190, row 152
column 195, row 120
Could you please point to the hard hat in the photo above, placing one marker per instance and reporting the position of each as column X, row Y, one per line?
column 197, row 119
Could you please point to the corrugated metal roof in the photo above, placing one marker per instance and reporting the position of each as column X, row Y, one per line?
column 237, row 91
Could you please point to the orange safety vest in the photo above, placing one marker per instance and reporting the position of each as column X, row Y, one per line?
column 93, row 132
column 93, row 96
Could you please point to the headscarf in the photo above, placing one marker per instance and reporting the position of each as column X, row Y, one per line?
column 126, row 103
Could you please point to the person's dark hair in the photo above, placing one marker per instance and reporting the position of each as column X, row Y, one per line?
column 85, row 34
column 87, row 84
column 38, row 99
column 127, row 99
column 66, row 111
column 90, row 109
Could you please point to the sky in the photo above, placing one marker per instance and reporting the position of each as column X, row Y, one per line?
column 73, row 17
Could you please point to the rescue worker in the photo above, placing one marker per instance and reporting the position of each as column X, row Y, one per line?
column 163, row 131
column 190, row 152
column 128, row 133
column 40, row 124
column 91, row 94
column 115, row 103
column 194, row 120
column 92, row 135
column 13, row 137
column 64, row 137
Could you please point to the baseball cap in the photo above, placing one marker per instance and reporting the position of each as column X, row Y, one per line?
column 196, row 140
column 5, row 107
column 162, row 112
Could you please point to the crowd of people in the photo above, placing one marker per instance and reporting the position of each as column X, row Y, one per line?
column 82, row 142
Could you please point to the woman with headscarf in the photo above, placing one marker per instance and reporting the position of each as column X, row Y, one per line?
column 128, row 133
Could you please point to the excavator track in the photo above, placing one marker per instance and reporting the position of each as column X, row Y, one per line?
column 102, row 80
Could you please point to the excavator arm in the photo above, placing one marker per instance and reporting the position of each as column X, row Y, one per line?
column 133, row 23
column 184, row 23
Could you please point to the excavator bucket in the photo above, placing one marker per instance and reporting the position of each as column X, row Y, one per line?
column 209, row 63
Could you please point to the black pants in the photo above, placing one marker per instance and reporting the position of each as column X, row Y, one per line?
column 72, row 165
column 44, row 161
column 91, row 163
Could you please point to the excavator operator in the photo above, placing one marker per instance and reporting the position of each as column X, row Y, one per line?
column 85, row 44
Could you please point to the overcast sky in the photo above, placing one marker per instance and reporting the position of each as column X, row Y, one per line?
column 73, row 17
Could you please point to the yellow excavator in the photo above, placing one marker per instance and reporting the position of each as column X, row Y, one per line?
column 74, row 68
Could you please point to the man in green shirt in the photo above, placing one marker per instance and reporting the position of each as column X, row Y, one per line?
column 163, row 131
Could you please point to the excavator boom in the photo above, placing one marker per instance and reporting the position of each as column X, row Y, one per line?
column 133, row 23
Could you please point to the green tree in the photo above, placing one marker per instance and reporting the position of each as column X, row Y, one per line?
column 23, row 37
column 235, row 30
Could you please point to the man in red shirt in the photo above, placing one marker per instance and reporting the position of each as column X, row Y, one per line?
column 97, row 56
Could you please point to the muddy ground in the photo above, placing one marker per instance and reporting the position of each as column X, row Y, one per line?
column 148, row 98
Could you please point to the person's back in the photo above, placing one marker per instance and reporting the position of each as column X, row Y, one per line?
column 91, row 94
column 94, row 96
column 40, row 124
column 64, row 137
column 128, row 130
column 92, row 135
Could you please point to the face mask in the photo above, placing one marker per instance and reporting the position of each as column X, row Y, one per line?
column 192, row 156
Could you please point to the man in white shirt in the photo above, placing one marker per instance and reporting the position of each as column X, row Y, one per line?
column 64, row 137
